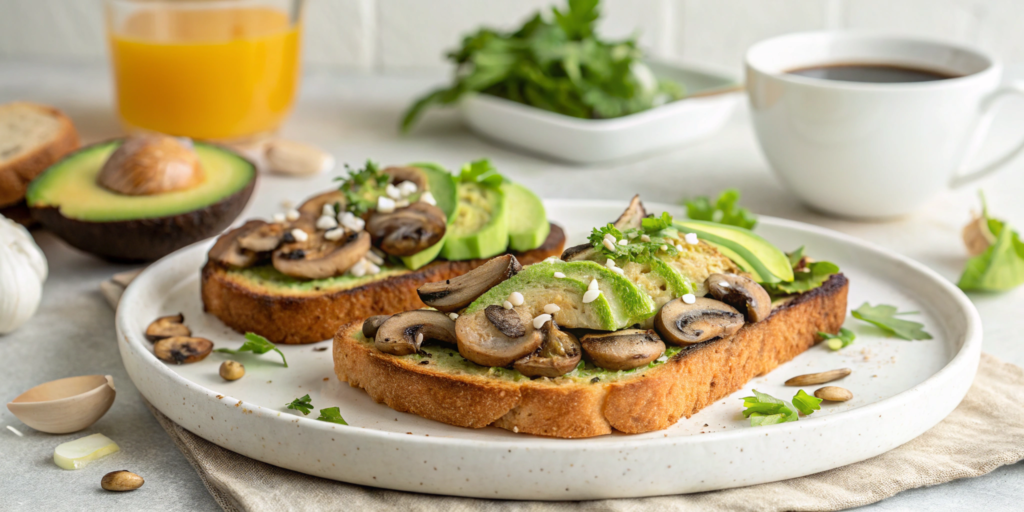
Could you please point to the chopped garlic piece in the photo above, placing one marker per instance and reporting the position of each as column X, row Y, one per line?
column 453, row 316
column 328, row 210
column 593, row 285
column 401, row 203
column 610, row 263
column 374, row 258
column 428, row 198
column 723, row 284
column 552, row 309
column 506, row 305
column 359, row 269
column 279, row 218
column 392, row 191
column 608, row 244
column 326, row 222
column 618, row 271
column 292, row 215
column 516, row 298
column 419, row 338
column 691, row 238
column 372, row 269
column 664, row 247
column 645, row 238
column 300, row 235
column 679, row 247
column 559, row 275
column 80, row 452
column 385, row 205
column 689, row 298
column 540, row 320
column 407, row 188
column 623, row 242
column 334, row 234
column 351, row 222
column 591, row 296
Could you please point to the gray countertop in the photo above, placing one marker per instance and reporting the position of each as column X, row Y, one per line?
column 354, row 117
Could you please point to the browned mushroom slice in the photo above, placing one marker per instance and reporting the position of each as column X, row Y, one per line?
column 484, row 344
column 265, row 238
column 407, row 231
column 458, row 292
column 182, row 349
column 227, row 250
column 623, row 350
column 167, row 327
column 742, row 293
column 413, row 174
column 506, row 320
column 705, row 319
column 319, row 258
column 579, row 253
column 633, row 215
column 557, row 355
column 314, row 206
column 404, row 333
column 372, row 324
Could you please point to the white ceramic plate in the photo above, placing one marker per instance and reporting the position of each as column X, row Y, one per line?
column 901, row 389
column 710, row 99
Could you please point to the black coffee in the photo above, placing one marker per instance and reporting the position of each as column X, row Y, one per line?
column 873, row 73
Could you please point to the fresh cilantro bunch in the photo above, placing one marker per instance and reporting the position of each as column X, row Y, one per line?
column 838, row 341
column 658, row 230
column 257, row 345
column 764, row 409
column 557, row 64
column 482, row 172
column 884, row 316
column 807, row 275
column 1001, row 266
column 725, row 210
column 302, row 404
column 362, row 187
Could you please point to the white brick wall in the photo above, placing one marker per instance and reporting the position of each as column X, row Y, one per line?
column 398, row 36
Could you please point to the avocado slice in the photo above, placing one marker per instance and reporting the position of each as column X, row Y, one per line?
column 527, row 221
column 480, row 227
column 629, row 303
column 442, row 186
column 662, row 282
column 67, row 200
column 749, row 251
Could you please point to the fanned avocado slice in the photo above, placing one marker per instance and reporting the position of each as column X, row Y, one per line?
column 442, row 186
column 480, row 227
column 751, row 252
column 527, row 221
column 629, row 303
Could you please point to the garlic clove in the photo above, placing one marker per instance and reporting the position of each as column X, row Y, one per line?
column 22, row 272
column 79, row 453
column 296, row 158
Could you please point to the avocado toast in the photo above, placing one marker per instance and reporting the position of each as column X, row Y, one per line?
column 578, row 348
column 367, row 247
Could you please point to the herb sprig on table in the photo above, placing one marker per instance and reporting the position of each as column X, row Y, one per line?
column 1000, row 267
column 555, row 63
column 884, row 316
column 257, row 345
column 764, row 409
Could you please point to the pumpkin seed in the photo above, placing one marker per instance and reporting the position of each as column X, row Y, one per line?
column 834, row 394
column 818, row 378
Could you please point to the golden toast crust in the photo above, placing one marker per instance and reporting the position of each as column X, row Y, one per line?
column 16, row 174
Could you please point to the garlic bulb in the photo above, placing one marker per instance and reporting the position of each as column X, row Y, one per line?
column 22, row 272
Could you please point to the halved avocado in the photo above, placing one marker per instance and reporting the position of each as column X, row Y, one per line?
column 480, row 227
column 749, row 251
column 68, row 201
column 442, row 186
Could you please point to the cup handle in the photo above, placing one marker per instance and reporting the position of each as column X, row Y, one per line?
column 964, row 176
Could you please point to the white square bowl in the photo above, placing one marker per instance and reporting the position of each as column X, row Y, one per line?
column 710, row 99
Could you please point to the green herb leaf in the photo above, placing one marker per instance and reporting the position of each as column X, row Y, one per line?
column 884, row 316
column 482, row 172
column 257, row 345
column 303, row 404
column 725, row 210
column 763, row 409
column 362, row 187
column 805, row 403
column 812, row 276
column 333, row 415
column 645, row 242
column 1001, row 267
column 838, row 341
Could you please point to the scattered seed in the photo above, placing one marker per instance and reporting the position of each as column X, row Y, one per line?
column 818, row 378
column 559, row 275
column 122, row 480
column 645, row 238
column 552, row 309
column 689, row 298
column 516, row 298
column 326, row 222
column 231, row 370
column 334, row 234
column 506, row 305
column 279, row 218
column 833, row 394
column 593, row 285
column 540, row 320
column 608, row 244
column 623, row 242
column 453, row 316
column 299, row 235
column 591, row 296
column 428, row 198
column 419, row 338
column 292, row 215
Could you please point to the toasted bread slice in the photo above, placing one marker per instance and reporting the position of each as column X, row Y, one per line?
column 32, row 138
column 251, row 300
column 585, row 403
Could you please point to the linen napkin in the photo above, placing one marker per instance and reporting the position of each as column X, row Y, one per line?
column 984, row 432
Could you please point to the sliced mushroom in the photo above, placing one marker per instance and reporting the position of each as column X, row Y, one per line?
column 167, row 327
column 151, row 164
column 404, row 333
column 623, row 350
column 578, row 252
column 557, row 355
column 228, row 251
column 413, row 174
column 407, row 231
column 372, row 324
column 506, row 320
column 458, row 292
column 182, row 349
column 633, row 215
column 742, row 293
column 314, row 206
column 481, row 342
column 319, row 258
column 264, row 238
column 705, row 319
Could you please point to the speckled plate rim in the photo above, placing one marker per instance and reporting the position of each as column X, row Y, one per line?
column 945, row 389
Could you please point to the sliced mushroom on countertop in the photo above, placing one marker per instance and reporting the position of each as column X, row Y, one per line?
column 264, row 238
column 481, row 342
column 314, row 206
column 623, row 350
column 372, row 324
column 506, row 320
column 557, row 355
column 319, row 258
column 404, row 333
column 684, row 324
column 167, row 327
column 742, row 293
column 228, row 251
column 631, row 218
column 182, row 349
column 407, row 231
column 413, row 174
column 458, row 292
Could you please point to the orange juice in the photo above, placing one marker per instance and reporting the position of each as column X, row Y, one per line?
column 224, row 73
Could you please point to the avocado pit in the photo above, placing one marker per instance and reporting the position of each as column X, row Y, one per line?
column 150, row 164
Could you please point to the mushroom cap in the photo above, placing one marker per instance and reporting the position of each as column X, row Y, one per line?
column 684, row 324
column 557, row 355
column 507, row 321
column 167, row 327
column 742, row 293
column 623, row 350
column 372, row 324
column 182, row 349
column 151, row 164
column 314, row 206
column 458, row 292
column 318, row 257
column 264, row 238
column 400, row 334
column 407, row 231
column 481, row 342
column 228, row 251
column 633, row 216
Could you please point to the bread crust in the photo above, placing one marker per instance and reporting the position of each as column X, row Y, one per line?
column 16, row 174
column 316, row 316
column 654, row 400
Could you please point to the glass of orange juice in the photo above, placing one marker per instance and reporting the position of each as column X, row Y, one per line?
column 224, row 70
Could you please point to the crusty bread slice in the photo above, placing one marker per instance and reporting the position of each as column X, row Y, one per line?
column 650, row 398
column 32, row 138
column 311, row 315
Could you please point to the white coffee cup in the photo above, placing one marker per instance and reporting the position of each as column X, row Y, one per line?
column 873, row 150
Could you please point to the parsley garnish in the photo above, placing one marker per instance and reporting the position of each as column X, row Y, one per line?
column 805, row 403
column 332, row 414
column 303, row 405
column 482, row 172
column 725, row 210
column 557, row 64
column 884, row 316
column 362, row 187
column 657, row 229
column 1001, row 266
column 257, row 345
column 837, row 341
column 765, row 409
column 806, row 276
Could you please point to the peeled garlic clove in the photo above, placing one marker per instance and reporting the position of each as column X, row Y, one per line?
column 296, row 158
column 80, row 452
